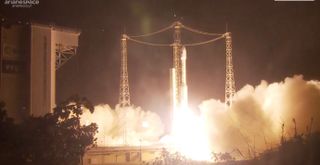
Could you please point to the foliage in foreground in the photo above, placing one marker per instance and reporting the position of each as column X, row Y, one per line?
column 167, row 158
column 54, row 139
column 300, row 149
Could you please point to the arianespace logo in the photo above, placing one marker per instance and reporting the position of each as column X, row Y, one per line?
column 21, row 3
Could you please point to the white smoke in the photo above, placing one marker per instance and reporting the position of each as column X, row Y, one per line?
column 255, row 120
column 124, row 126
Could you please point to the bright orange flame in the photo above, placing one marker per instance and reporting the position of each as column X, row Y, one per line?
column 189, row 136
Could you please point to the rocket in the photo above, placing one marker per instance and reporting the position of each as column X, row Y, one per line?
column 178, row 81
column 178, row 77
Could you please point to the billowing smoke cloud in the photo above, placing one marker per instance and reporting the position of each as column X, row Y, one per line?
column 253, row 123
column 130, row 126
column 255, row 120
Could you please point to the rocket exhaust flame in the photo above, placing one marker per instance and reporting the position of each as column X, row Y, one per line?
column 188, row 135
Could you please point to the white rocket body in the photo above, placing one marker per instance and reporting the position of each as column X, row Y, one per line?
column 179, row 89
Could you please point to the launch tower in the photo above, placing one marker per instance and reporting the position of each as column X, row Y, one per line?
column 178, row 70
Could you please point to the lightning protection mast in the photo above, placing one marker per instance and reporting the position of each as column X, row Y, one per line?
column 230, row 83
column 124, row 96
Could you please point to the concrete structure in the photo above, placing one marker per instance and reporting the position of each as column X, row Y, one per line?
column 30, row 55
column 121, row 155
column 14, row 77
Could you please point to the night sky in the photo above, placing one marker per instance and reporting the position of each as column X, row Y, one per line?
column 271, row 41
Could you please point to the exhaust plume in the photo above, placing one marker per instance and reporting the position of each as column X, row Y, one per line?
column 124, row 126
column 254, row 122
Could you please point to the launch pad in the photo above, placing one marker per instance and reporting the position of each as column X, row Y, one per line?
column 178, row 79
column 182, row 117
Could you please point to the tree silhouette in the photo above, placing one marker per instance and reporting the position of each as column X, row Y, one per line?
column 53, row 139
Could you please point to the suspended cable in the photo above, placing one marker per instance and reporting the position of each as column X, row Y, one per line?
column 204, row 42
column 168, row 45
column 153, row 33
column 200, row 32
column 148, row 43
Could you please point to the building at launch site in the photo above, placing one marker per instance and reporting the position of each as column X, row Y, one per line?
column 29, row 57
column 121, row 155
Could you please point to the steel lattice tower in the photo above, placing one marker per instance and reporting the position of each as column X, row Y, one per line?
column 176, row 71
column 124, row 97
column 230, row 83
column 177, row 46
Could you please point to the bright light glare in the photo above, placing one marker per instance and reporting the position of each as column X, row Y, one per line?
column 189, row 137
column 145, row 124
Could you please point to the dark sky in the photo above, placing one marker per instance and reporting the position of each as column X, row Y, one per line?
column 271, row 40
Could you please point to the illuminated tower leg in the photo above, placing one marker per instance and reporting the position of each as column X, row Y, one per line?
column 177, row 64
column 176, row 73
column 124, row 96
column 184, row 87
column 230, row 83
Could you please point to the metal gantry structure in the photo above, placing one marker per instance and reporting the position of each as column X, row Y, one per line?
column 177, row 48
column 230, row 87
column 64, row 53
column 124, row 95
